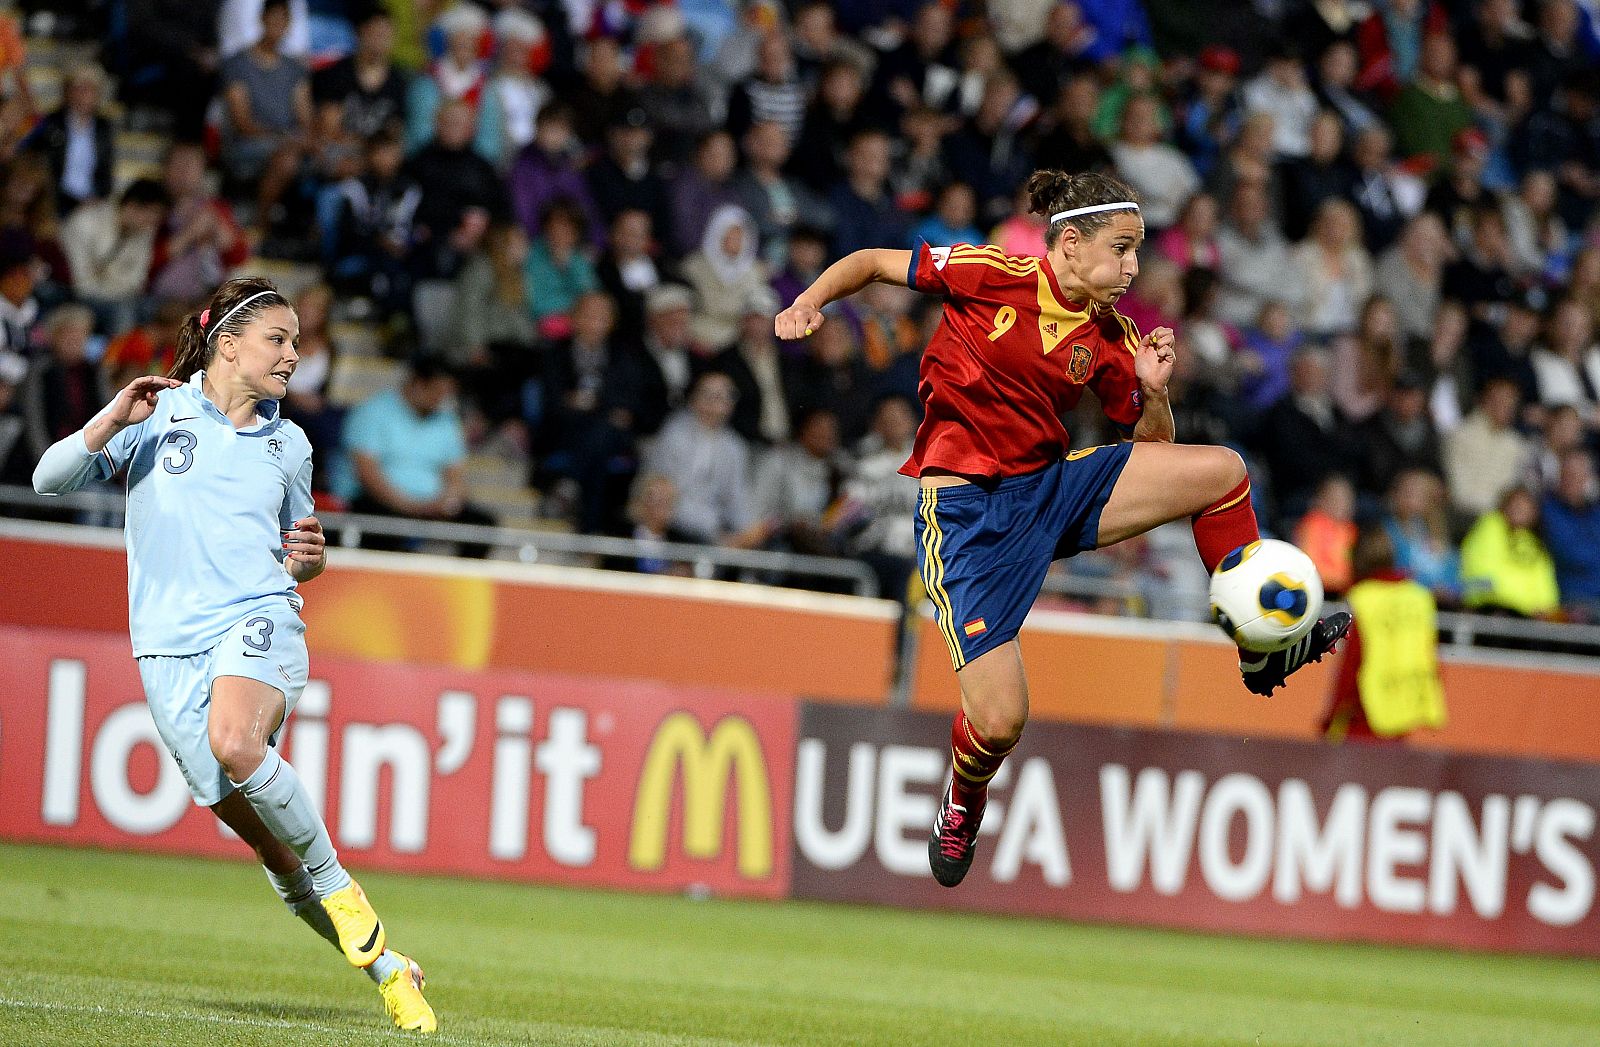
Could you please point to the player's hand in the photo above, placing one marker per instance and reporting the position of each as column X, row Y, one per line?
column 797, row 321
column 137, row 401
column 1154, row 359
column 305, row 544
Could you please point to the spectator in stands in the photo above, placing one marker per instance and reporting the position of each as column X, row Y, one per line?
column 1505, row 567
column 19, row 310
column 833, row 375
column 1254, row 258
column 1269, row 345
column 923, row 64
column 16, row 452
column 1385, row 194
column 761, row 411
column 595, row 388
column 1391, row 42
column 818, row 42
column 864, row 212
column 668, row 366
column 876, row 492
column 64, row 390
column 1163, row 175
column 1136, row 77
column 373, row 227
column 775, row 201
column 199, row 241
column 724, row 274
column 170, row 55
column 1388, row 684
column 1022, row 232
column 558, row 270
column 1335, row 87
column 1540, row 241
column 364, row 93
column 709, row 462
column 1429, row 111
column 458, row 75
column 77, row 141
column 1419, row 529
column 1572, row 529
column 110, row 247
column 1563, row 431
column 548, row 171
column 650, row 513
column 28, row 210
column 1045, row 67
column 836, row 117
column 406, row 451
column 491, row 323
column 773, row 94
column 1281, row 91
column 1327, row 533
column 703, row 188
column 461, row 194
column 1485, row 456
column 1401, row 435
column 1567, row 365
column 1367, row 361
column 624, row 178
column 797, row 484
column 1066, row 135
column 147, row 348
column 628, row 270
column 1461, row 191
column 267, row 101
column 990, row 151
column 1481, row 277
column 1334, row 271
column 1302, row 437
column 521, row 49
column 679, row 104
column 1322, row 174
column 951, row 221
column 1192, row 241
column 1411, row 273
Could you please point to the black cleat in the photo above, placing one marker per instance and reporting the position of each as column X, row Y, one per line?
column 1271, row 671
column 954, row 841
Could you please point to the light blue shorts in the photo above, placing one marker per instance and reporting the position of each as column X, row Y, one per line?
column 268, row 644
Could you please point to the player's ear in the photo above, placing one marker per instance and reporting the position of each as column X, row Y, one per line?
column 1069, row 241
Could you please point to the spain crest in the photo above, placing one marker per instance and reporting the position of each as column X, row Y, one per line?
column 1078, row 366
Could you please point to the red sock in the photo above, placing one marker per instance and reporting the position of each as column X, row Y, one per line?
column 975, row 761
column 1226, row 524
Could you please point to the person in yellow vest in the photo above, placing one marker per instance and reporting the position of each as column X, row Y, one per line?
column 1388, row 683
column 1505, row 566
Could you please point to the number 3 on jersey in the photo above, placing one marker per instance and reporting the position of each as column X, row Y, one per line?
column 1004, row 318
column 181, row 457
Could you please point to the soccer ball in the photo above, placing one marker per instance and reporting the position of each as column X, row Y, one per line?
column 1266, row 595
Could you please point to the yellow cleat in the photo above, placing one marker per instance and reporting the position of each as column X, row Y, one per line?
column 402, row 998
column 361, row 936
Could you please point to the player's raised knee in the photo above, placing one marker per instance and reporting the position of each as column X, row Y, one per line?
column 999, row 729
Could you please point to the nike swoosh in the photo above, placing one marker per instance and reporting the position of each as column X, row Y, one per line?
column 186, row 418
column 247, row 654
column 372, row 940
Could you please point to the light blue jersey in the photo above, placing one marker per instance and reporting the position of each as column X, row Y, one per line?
column 207, row 508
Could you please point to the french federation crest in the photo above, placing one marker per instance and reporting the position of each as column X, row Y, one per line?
column 275, row 446
column 1078, row 366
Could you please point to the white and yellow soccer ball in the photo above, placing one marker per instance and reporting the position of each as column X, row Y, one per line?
column 1266, row 595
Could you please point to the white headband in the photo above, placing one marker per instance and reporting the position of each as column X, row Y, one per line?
column 1125, row 205
column 229, row 314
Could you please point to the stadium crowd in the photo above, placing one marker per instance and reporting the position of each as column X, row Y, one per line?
column 1372, row 224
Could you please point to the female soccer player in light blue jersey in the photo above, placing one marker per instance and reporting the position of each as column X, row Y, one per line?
column 220, row 534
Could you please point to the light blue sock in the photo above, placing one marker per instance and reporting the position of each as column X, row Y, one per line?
column 300, row 895
column 277, row 796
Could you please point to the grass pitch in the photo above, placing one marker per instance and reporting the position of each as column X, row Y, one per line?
column 136, row 950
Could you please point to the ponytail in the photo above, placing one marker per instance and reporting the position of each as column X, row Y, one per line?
column 193, row 353
column 1051, row 192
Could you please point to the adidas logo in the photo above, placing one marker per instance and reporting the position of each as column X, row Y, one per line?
column 1050, row 328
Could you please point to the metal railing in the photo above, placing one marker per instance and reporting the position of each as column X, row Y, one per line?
column 526, row 545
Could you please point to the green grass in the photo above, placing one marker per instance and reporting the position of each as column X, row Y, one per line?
column 114, row 949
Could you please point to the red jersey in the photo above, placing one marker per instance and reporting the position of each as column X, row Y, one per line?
column 1010, row 358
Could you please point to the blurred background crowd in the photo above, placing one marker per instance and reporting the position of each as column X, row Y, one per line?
column 536, row 247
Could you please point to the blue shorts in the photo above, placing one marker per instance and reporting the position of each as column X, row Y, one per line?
column 268, row 645
column 984, row 552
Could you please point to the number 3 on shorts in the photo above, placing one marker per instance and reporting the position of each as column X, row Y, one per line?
column 263, row 641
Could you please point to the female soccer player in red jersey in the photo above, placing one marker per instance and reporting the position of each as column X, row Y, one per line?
column 1002, row 492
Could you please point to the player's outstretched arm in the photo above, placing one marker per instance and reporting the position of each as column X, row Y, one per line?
column 68, row 464
column 841, row 280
